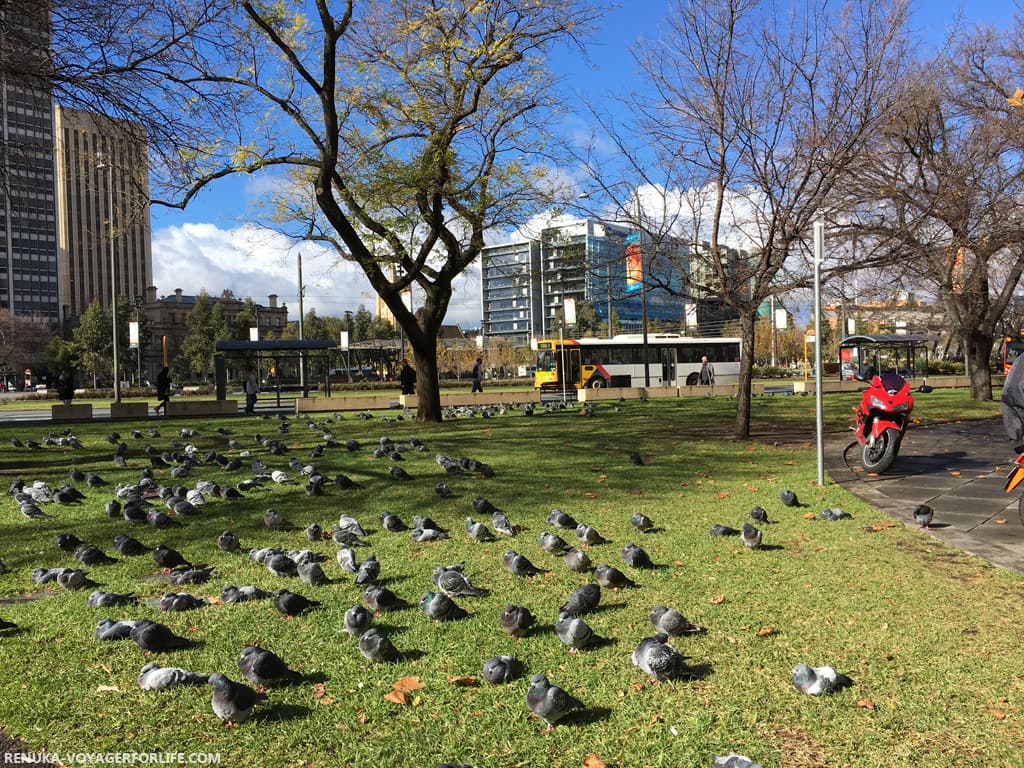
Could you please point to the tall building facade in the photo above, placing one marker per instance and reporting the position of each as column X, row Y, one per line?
column 29, row 283
column 525, row 283
column 103, row 199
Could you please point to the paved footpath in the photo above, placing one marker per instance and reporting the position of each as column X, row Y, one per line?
column 957, row 468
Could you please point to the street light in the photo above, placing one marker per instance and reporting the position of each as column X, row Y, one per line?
column 113, row 274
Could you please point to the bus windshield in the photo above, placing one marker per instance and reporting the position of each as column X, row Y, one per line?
column 546, row 361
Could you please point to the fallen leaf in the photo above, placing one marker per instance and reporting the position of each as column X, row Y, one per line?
column 417, row 700
column 461, row 680
column 213, row 599
column 1001, row 521
column 719, row 495
column 998, row 714
column 865, row 703
column 590, row 495
column 717, row 600
column 104, row 688
column 765, row 631
column 593, row 761
column 676, row 563
column 326, row 701
column 955, row 472
column 807, row 515
column 638, row 686
column 319, row 691
column 396, row 697
column 407, row 684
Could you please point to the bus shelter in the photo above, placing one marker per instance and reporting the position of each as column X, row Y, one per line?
column 273, row 358
column 905, row 353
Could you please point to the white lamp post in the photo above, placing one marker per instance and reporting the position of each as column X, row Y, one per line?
column 113, row 274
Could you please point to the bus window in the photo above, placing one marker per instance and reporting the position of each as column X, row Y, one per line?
column 547, row 361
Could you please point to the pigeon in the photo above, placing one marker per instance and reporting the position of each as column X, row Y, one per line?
column 724, row 530
column 347, row 538
column 923, row 515
column 357, row 620
column 347, row 560
column 368, row 571
column 380, row 598
column 577, row 560
column 5, row 625
column 128, row 546
column 673, row 623
column 584, row 600
column 589, row 535
column 90, row 555
column 349, row 523
column 312, row 574
column 232, row 702
column 733, row 760
column 68, row 542
column 750, row 536
column 553, row 544
column 281, row 565
column 192, row 575
column 501, row 523
column 478, row 531
column 428, row 534
column 275, row 521
column 641, row 522
column 392, row 523
column 233, row 594
column 636, row 459
column 560, row 519
column 314, row 532
column 168, row 558
column 153, row 677
column 181, row 601
column 575, row 632
column 453, row 582
column 482, row 506
column 157, row 638
column 516, row 620
column 376, row 647
column 817, row 680
column 442, row 490
column 111, row 629
column 280, row 477
column 549, row 702
column 518, row 565
column 265, row 668
column 759, row 515
column 789, row 498
column 834, row 513
column 502, row 669
column 292, row 603
column 158, row 519
column 659, row 659
column 344, row 481
column 636, row 557
column 100, row 599
column 397, row 473
column 422, row 521
column 228, row 542
column 436, row 605
column 609, row 576
column 70, row 578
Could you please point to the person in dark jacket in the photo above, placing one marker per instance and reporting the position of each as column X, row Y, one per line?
column 1012, row 401
column 163, row 389
column 407, row 378
column 478, row 375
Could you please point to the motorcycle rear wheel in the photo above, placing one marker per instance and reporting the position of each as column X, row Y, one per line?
column 879, row 456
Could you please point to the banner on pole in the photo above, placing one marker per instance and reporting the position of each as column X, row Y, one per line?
column 133, row 334
column 634, row 265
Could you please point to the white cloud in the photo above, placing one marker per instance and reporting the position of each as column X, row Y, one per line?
column 256, row 262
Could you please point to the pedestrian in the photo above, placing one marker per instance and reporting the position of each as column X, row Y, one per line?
column 163, row 389
column 66, row 387
column 478, row 375
column 407, row 378
column 1012, row 401
column 252, row 389
column 707, row 373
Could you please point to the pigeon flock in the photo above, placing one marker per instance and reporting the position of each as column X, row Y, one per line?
column 160, row 506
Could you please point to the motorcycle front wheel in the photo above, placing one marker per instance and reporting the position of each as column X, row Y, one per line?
column 879, row 455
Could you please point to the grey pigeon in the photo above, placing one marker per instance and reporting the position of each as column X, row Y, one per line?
column 168, row 558
column 483, row 507
column 502, row 669
column 577, row 560
column 347, row 560
column 357, row 620
column 314, row 532
column 553, row 544
column 817, row 680
column 673, row 623
column 228, row 542
column 609, row 576
column 549, row 702
column 641, row 522
column 750, row 536
column 157, row 638
column 368, row 571
column 478, row 531
column 100, row 599
column 275, row 521
column 397, row 473
column 232, row 702
column 636, row 556
column 636, row 459
column 427, row 534
column 153, row 677
column 659, row 659
column 128, row 546
column 233, row 594
column 789, row 498
column 589, row 535
column 264, row 667
column 560, row 519
column 281, row 565
column 349, row 523
column 584, row 600
column 724, row 530
column 380, row 598
column 454, row 583
column 181, row 601
column 501, row 523
column 759, row 515
column 516, row 620
column 733, row 760
column 376, row 647
column 518, row 565
column 71, row 578
column 575, row 632
column 923, row 515
column 422, row 521
column 68, row 542
column 392, row 523
column 90, row 555
column 436, row 605
column 191, row 575
column 834, row 513
column 345, row 538
column 311, row 573
column 442, row 490
column 112, row 629
column 292, row 603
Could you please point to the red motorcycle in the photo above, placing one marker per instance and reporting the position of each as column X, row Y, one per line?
column 882, row 418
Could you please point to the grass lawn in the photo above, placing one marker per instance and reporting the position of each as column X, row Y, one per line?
column 928, row 635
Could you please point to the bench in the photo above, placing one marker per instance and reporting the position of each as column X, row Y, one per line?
column 778, row 389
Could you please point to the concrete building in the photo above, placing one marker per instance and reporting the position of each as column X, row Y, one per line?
column 28, row 207
column 103, row 201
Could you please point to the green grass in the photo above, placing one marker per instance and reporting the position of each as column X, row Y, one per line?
column 928, row 634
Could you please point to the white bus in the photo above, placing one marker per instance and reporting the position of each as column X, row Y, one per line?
column 672, row 360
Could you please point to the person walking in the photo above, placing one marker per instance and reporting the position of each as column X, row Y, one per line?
column 707, row 373
column 407, row 378
column 163, row 389
column 252, row 389
column 478, row 375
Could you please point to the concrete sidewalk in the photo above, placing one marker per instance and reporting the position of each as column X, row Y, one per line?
column 958, row 469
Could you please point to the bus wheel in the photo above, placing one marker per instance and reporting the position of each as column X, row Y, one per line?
column 596, row 383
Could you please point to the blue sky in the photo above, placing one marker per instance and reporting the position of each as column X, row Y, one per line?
column 212, row 246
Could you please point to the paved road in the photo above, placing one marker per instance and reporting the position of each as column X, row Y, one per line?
column 959, row 469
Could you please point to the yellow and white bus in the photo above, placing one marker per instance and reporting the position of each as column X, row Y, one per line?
column 672, row 360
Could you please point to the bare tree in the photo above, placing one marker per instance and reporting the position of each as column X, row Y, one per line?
column 22, row 342
column 755, row 115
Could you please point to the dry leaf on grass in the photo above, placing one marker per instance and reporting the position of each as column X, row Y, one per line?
column 396, row 697
column 765, row 631
column 717, row 600
column 593, row 761
column 998, row 714
column 462, row 680
column 407, row 684
column 865, row 703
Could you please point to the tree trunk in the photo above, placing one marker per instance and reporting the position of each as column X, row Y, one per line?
column 977, row 351
column 428, row 385
column 741, row 429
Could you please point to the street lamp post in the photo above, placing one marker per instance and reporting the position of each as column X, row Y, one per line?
column 113, row 273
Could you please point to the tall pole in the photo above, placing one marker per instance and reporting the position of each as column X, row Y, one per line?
column 302, row 355
column 643, row 317
column 113, row 274
column 773, row 328
column 819, row 246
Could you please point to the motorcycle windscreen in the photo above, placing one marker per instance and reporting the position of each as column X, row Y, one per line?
column 1015, row 478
